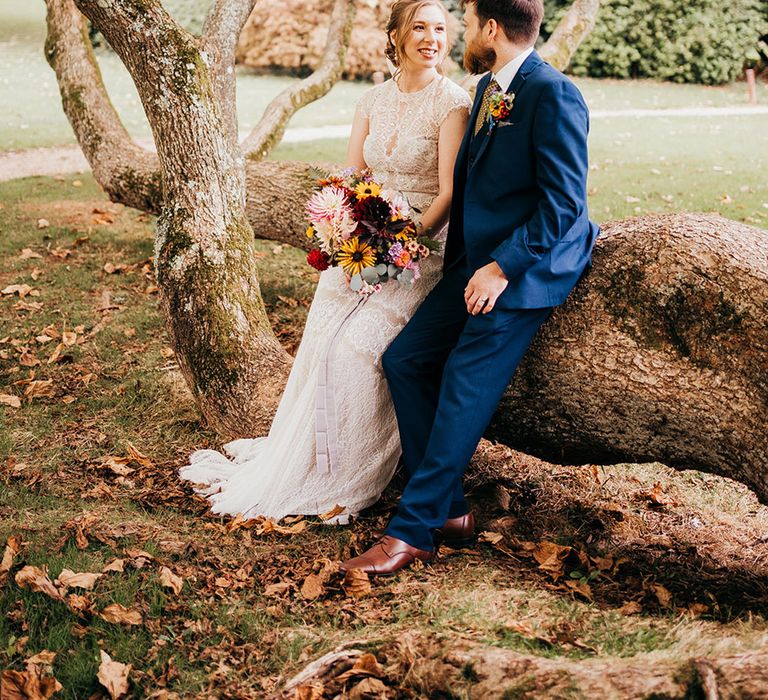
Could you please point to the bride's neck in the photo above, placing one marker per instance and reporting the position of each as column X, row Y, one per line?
column 409, row 80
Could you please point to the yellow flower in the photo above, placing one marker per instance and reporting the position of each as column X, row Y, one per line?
column 354, row 256
column 310, row 232
column 367, row 189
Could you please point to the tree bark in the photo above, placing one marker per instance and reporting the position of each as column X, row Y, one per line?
column 572, row 29
column 465, row 668
column 659, row 355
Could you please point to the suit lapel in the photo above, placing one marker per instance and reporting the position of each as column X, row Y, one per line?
column 463, row 155
column 529, row 65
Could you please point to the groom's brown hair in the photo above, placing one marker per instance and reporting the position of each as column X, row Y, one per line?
column 520, row 19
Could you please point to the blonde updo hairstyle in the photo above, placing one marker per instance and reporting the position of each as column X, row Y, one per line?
column 400, row 25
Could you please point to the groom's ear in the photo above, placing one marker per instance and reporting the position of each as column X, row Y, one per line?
column 491, row 29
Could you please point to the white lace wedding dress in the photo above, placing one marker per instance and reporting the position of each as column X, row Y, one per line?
column 293, row 471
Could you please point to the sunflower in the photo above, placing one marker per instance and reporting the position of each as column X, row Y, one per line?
column 354, row 256
column 367, row 189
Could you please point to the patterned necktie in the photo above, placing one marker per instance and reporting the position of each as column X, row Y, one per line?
column 485, row 107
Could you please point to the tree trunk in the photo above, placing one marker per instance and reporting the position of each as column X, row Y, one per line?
column 659, row 355
column 572, row 29
column 464, row 668
column 204, row 248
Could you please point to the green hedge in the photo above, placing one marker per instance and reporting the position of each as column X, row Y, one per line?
column 698, row 41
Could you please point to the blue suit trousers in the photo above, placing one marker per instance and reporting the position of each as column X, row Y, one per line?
column 447, row 371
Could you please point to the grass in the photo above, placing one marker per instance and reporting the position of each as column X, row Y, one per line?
column 34, row 118
column 223, row 628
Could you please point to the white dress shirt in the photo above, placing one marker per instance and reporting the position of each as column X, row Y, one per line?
column 507, row 74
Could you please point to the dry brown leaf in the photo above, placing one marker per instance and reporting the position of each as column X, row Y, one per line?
column 309, row 691
column 366, row 665
column 313, row 587
column 69, row 579
column 139, row 558
column 12, row 548
column 113, row 676
column 31, row 684
column 663, row 595
column 118, row 465
column 43, row 223
column 43, row 658
column 631, row 608
column 275, row 590
column 271, row 526
column 79, row 603
column 56, row 354
column 27, row 359
column 171, row 580
column 698, row 609
column 581, row 587
column 551, row 557
column 28, row 253
column 167, row 353
column 33, row 579
column 116, row 565
column 21, row 289
column 356, row 583
column 39, row 388
column 10, row 400
column 137, row 456
column 336, row 510
column 490, row 537
column 656, row 496
column 367, row 689
column 69, row 338
column 119, row 614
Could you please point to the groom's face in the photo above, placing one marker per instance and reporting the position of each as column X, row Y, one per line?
column 479, row 55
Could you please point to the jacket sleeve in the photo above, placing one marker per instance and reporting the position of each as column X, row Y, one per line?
column 560, row 128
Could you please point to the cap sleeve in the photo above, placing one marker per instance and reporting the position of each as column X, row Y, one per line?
column 365, row 103
column 452, row 98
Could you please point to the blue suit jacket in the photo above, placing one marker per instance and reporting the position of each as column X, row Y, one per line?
column 520, row 190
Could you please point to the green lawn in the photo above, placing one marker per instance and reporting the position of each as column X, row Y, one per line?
column 33, row 117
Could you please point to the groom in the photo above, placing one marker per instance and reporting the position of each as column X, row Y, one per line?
column 518, row 242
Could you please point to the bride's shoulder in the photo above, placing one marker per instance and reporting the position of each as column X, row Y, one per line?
column 374, row 93
column 451, row 96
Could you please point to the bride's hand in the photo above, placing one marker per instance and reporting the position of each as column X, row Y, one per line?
column 485, row 288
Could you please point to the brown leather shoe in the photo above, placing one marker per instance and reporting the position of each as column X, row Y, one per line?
column 457, row 532
column 387, row 557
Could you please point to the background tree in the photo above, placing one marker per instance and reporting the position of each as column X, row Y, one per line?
column 629, row 341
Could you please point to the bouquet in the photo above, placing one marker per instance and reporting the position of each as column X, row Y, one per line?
column 367, row 231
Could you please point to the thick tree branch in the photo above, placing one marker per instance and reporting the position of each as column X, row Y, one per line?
column 220, row 35
column 127, row 172
column 271, row 128
column 572, row 29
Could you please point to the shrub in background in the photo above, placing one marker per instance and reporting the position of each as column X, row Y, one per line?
column 698, row 41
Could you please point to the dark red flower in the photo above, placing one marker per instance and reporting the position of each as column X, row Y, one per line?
column 319, row 260
column 373, row 210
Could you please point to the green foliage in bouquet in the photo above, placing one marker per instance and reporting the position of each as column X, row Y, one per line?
column 699, row 41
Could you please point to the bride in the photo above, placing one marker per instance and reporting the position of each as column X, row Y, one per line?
column 334, row 439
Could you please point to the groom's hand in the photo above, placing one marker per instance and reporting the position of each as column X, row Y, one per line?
column 484, row 289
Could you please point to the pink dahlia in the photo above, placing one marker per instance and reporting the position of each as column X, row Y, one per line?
column 329, row 204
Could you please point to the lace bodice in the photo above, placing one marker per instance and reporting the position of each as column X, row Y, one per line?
column 403, row 130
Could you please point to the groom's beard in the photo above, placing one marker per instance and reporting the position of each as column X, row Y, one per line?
column 478, row 59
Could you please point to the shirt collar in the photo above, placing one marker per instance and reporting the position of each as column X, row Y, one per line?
column 507, row 74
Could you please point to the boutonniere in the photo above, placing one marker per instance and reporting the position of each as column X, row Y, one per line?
column 500, row 105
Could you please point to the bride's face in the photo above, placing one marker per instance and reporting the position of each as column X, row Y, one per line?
column 425, row 45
